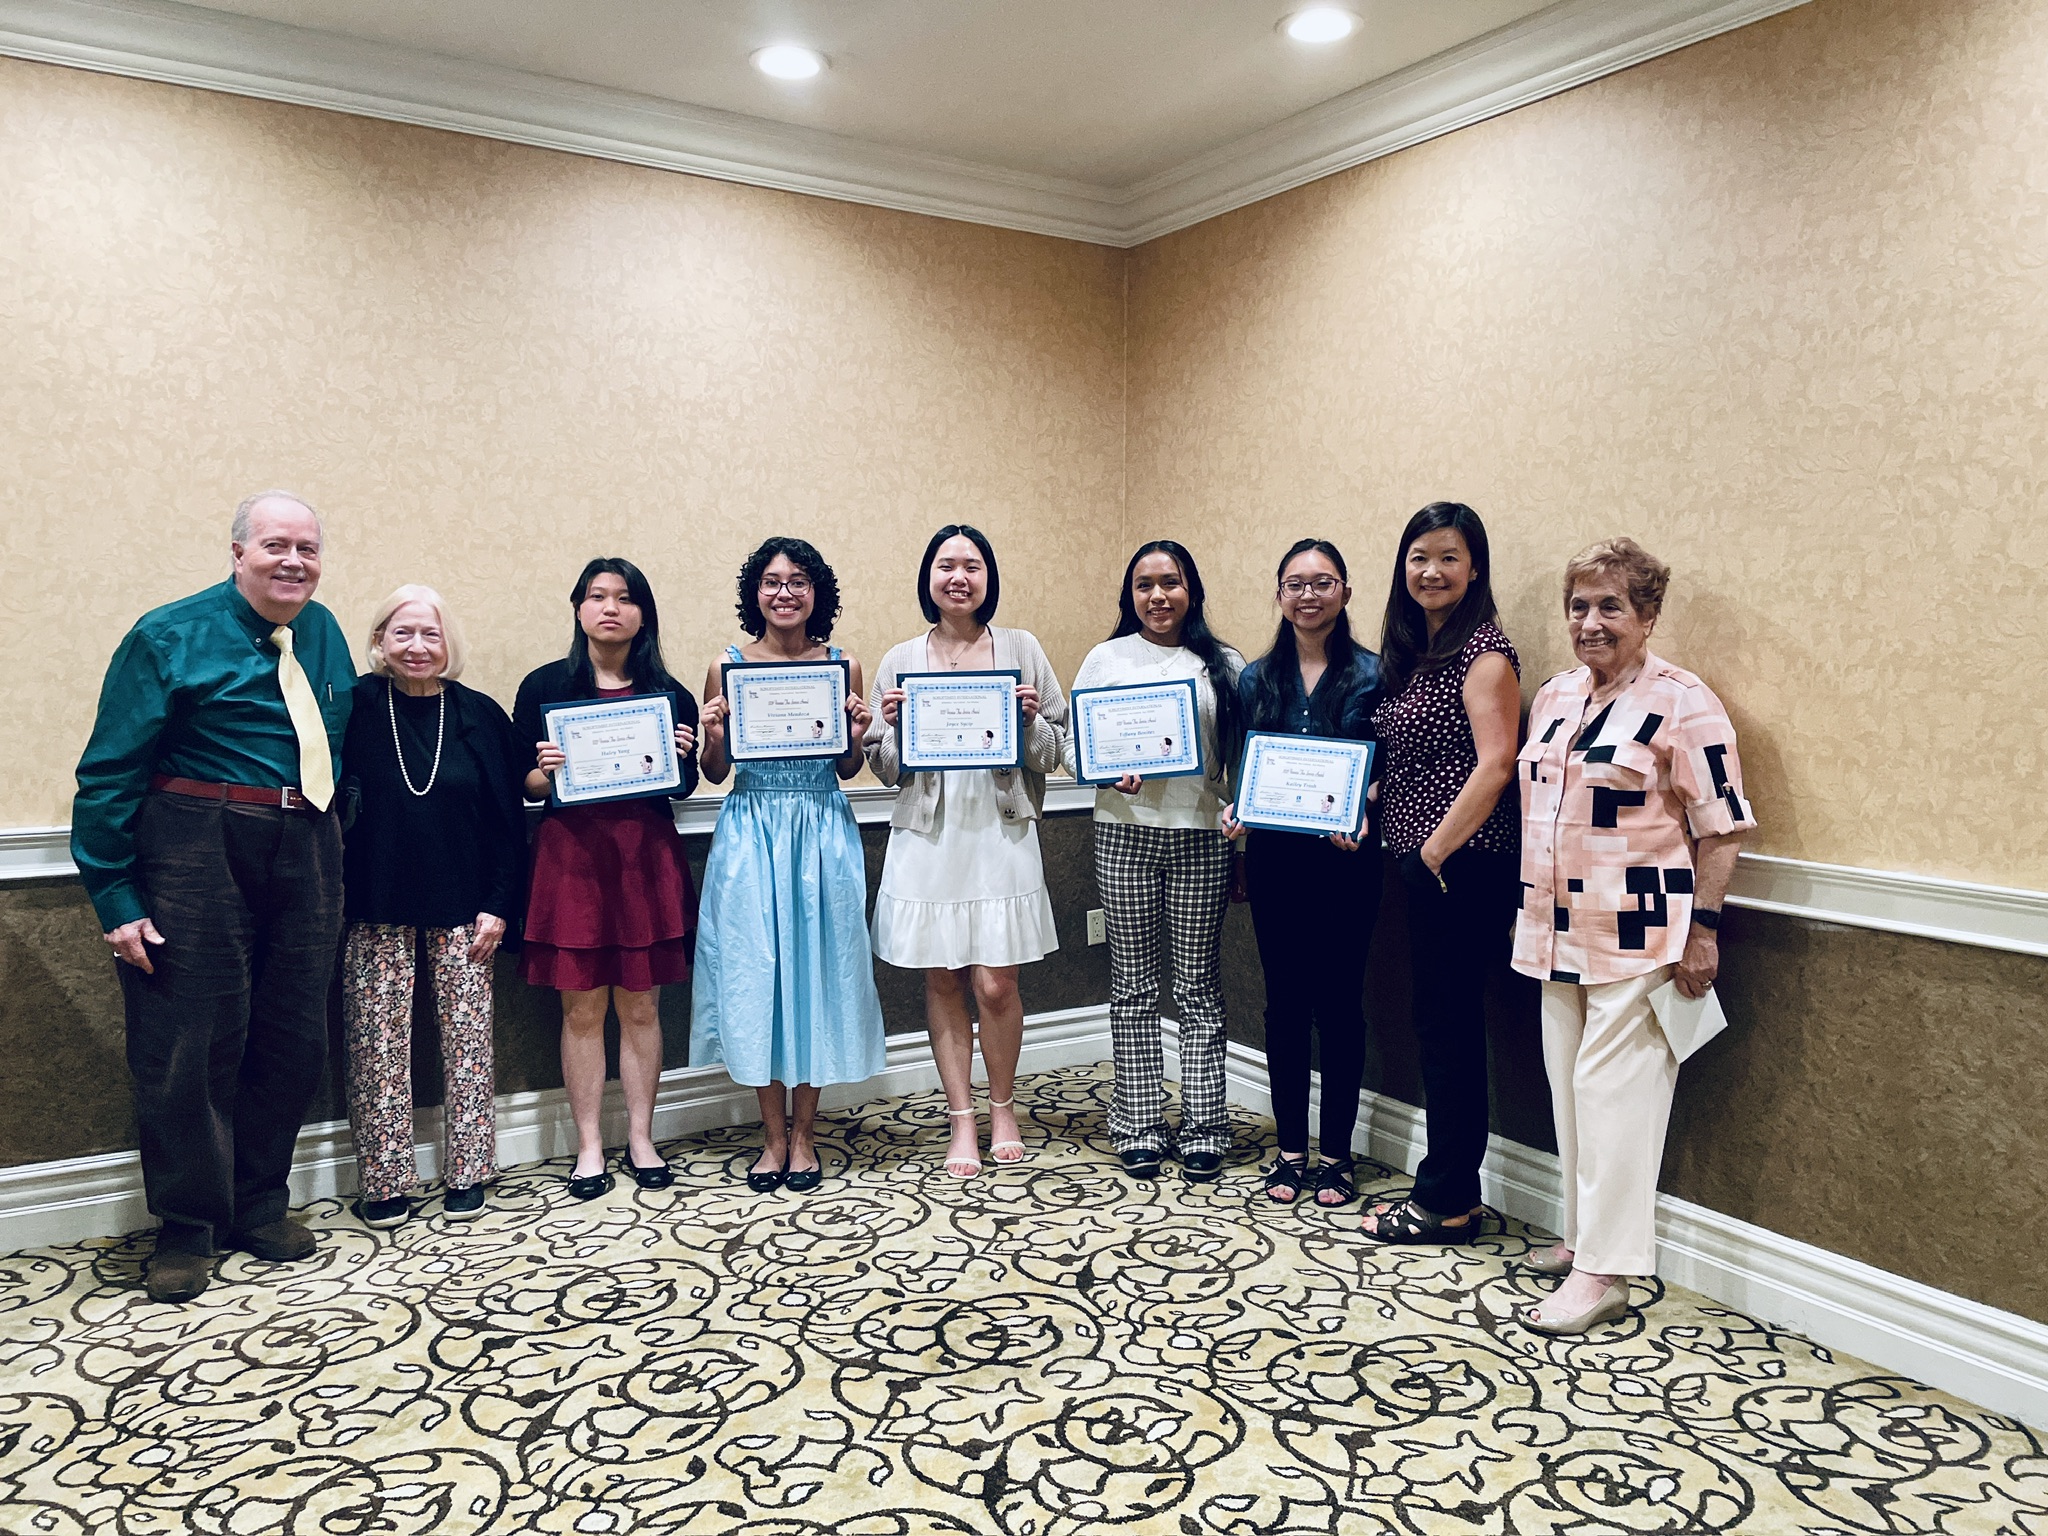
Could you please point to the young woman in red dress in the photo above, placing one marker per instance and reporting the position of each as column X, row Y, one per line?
column 610, row 907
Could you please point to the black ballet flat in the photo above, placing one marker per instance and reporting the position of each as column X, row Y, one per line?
column 590, row 1185
column 802, row 1181
column 660, row 1176
column 765, row 1181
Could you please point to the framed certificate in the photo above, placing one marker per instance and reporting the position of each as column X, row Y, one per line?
column 785, row 709
column 614, row 749
column 959, row 720
column 1310, row 784
column 1154, row 729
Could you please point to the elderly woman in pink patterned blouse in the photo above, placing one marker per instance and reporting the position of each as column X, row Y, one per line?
column 1632, row 812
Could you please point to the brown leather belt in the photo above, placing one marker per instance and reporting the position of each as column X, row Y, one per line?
column 285, row 799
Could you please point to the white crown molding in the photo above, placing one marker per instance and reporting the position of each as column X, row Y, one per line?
column 1562, row 46
column 95, row 1197
column 246, row 56
column 1954, row 911
column 1984, row 1355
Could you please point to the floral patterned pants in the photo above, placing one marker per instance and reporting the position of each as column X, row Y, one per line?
column 377, row 988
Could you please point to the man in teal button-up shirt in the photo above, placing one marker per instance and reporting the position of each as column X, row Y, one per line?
column 219, row 888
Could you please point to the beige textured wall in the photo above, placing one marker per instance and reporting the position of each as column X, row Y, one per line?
column 486, row 363
column 1776, row 304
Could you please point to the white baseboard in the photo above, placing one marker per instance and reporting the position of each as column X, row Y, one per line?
column 1986, row 1356
column 1995, row 1359
column 87, row 1197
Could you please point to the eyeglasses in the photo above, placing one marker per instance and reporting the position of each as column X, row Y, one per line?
column 796, row 586
column 1322, row 586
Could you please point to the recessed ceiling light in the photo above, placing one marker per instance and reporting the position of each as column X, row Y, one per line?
column 1321, row 24
column 786, row 61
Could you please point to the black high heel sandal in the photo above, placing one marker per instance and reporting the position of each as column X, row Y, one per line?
column 1286, row 1179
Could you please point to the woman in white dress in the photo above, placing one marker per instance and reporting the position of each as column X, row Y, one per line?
column 963, row 895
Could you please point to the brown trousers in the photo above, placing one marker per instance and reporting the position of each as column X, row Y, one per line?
column 227, row 1041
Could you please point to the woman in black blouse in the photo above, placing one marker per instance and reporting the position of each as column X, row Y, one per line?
column 435, row 859
column 1314, row 899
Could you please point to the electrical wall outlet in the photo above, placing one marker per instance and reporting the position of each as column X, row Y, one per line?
column 1098, row 926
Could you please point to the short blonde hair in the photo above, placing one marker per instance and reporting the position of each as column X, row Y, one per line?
column 451, row 632
column 1643, row 576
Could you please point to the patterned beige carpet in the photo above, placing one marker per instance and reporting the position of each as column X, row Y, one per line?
column 1047, row 1351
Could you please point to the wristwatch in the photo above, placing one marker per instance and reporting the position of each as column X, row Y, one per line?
column 1709, row 919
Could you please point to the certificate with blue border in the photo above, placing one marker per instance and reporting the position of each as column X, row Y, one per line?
column 1312, row 784
column 784, row 709
column 614, row 749
column 959, row 720
column 1150, row 729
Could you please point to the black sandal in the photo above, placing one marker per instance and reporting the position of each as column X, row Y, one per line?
column 1402, row 1221
column 1286, row 1179
column 1335, row 1175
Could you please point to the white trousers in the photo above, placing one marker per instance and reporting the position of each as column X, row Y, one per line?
column 1611, row 1076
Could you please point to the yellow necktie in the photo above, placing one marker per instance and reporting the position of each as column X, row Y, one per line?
column 316, row 764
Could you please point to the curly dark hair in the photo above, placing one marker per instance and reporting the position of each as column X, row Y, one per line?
column 805, row 557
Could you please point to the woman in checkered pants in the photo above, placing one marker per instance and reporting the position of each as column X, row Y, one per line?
column 1163, row 871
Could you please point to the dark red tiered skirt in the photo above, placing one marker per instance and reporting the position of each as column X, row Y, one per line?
column 611, row 903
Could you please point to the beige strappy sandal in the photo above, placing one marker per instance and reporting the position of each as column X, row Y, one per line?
column 1017, row 1149
column 962, row 1167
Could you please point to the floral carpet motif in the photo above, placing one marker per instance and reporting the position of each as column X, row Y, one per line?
column 1044, row 1351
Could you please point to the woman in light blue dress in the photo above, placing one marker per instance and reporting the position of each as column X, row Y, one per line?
column 785, row 981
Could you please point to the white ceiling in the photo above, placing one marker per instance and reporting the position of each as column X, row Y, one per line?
column 1112, row 121
column 1108, row 92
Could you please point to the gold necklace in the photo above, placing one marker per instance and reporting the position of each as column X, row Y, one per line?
column 953, row 663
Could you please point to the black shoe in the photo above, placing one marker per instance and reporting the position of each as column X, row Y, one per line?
column 802, row 1181
column 176, row 1276
column 1333, row 1184
column 395, row 1212
column 660, row 1176
column 765, row 1181
column 590, row 1185
column 1201, row 1167
column 280, row 1241
column 462, row 1204
column 1140, row 1162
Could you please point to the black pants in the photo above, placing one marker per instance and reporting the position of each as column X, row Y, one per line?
column 228, row 1039
column 1313, row 909
column 1455, row 938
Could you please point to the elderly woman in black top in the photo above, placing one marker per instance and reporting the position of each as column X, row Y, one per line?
column 1314, row 899
column 434, row 861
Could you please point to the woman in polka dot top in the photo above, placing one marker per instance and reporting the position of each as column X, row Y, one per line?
column 1448, row 725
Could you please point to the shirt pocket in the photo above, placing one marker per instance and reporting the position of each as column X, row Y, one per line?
column 1621, row 765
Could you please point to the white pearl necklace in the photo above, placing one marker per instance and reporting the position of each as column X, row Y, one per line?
column 440, row 735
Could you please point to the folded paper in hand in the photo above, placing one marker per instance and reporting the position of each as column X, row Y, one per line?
column 1688, row 1022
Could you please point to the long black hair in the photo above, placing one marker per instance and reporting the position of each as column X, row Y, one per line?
column 805, row 557
column 1406, row 649
column 649, row 673
column 1194, row 634
column 974, row 536
column 1268, row 704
